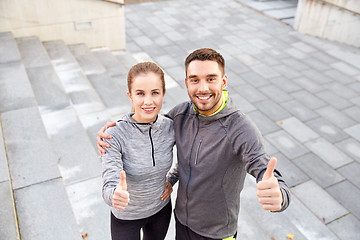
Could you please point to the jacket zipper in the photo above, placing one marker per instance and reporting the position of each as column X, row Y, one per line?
column 152, row 148
column 187, row 186
column 197, row 152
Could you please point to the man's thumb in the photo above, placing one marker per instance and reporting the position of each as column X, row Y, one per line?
column 270, row 169
column 122, row 182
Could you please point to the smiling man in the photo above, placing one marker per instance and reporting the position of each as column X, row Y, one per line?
column 216, row 146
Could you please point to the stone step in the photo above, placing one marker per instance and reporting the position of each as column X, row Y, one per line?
column 8, row 223
column 15, row 90
column 36, row 181
column 80, row 91
column 8, row 49
column 49, row 92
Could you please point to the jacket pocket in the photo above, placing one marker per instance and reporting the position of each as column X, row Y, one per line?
column 197, row 152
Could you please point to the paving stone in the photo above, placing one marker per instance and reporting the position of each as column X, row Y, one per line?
column 290, row 172
column 326, row 58
column 8, row 219
column 285, row 84
column 351, row 172
column 354, row 131
column 319, row 171
column 269, row 148
column 264, row 124
column 236, row 66
column 339, row 76
column 299, row 110
column 294, row 63
column 286, row 71
column 35, row 220
column 250, row 93
column 316, row 76
column 266, row 58
column 308, row 85
column 8, row 48
column 316, row 64
column 296, row 53
column 327, row 130
column 348, row 195
column 65, row 131
column 345, row 68
column 308, row 224
column 241, row 102
column 272, row 110
column 254, row 79
column 327, row 152
column 30, row 155
column 353, row 112
column 247, row 59
column 334, row 100
column 286, row 144
column 342, row 90
column 165, row 61
column 49, row 92
column 347, row 227
column 308, row 99
column 265, row 71
column 336, row 117
column 351, row 147
column 297, row 129
column 319, row 201
column 15, row 88
column 91, row 212
column 4, row 170
column 276, row 94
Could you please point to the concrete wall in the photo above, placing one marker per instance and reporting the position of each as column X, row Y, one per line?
column 336, row 20
column 93, row 22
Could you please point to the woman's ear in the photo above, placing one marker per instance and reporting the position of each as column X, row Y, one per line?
column 129, row 95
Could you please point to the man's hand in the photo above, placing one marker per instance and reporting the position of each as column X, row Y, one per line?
column 269, row 193
column 121, row 195
column 167, row 192
column 101, row 134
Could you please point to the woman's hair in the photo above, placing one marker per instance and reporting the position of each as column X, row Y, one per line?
column 206, row 54
column 143, row 68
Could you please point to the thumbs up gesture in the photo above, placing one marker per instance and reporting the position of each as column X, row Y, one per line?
column 121, row 195
column 269, row 193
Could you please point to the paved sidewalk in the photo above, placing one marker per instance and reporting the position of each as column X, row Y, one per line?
column 302, row 92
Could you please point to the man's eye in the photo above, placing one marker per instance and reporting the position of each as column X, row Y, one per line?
column 156, row 93
column 211, row 79
column 194, row 80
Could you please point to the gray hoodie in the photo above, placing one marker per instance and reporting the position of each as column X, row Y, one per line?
column 145, row 153
column 214, row 154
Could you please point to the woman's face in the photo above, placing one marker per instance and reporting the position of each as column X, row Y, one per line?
column 146, row 95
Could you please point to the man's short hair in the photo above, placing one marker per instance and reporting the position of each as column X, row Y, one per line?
column 205, row 54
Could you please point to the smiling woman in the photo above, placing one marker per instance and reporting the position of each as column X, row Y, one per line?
column 135, row 165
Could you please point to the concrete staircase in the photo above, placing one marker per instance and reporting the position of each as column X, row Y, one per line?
column 53, row 100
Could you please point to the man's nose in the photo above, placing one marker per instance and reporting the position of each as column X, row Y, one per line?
column 204, row 86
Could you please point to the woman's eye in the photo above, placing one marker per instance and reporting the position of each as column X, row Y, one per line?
column 156, row 93
column 140, row 94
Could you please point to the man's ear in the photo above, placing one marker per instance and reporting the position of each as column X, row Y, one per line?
column 224, row 83
column 186, row 83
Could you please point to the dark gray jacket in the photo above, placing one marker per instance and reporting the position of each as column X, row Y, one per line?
column 214, row 153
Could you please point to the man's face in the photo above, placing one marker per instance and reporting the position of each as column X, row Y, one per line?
column 205, row 82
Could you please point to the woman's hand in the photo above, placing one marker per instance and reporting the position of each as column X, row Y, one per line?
column 167, row 192
column 121, row 195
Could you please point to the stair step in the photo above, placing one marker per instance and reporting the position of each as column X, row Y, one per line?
column 29, row 152
column 15, row 90
column 47, row 87
column 83, row 97
column 8, row 222
column 110, row 62
column 32, row 52
column 79, row 160
column 8, row 48
column 86, row 59
column 44, row 212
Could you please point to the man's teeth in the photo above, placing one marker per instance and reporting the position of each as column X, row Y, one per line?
column 204, row 98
